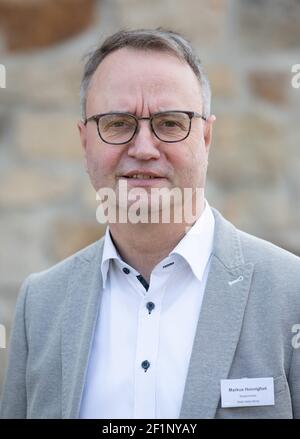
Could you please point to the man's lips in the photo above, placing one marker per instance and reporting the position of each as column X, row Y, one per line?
column 140, row 178
column 141, row 175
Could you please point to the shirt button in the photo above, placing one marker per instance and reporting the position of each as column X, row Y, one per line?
column 126, row 270
column 145, row 365
column 150, row 306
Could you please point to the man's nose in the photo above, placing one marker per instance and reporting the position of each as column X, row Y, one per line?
column 144, row 145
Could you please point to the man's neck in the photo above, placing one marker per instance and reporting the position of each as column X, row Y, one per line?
column 144, row 245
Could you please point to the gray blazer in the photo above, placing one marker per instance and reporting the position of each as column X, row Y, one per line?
column 244, row 330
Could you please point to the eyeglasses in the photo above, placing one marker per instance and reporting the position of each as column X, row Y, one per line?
column 168, row 126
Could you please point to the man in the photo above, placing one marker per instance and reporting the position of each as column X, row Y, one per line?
column 159, row 319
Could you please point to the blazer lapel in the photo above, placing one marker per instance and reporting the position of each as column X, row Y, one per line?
column 80, row 316
column 219, row 325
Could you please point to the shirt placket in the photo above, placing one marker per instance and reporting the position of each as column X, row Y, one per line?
column 148, row 335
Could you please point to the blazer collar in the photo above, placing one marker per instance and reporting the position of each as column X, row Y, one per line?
column 219, row 324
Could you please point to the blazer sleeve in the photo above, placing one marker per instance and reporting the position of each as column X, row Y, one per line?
column 14, row 397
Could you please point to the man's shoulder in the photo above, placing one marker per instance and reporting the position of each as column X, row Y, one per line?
column 273, row 266
column 56, row 278
column 263, row 251
column 238, row 246
column 275, row 269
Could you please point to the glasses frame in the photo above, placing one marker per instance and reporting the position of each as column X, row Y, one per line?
column 190, row 114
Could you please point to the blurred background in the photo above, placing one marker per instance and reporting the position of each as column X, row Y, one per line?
column 48, row 208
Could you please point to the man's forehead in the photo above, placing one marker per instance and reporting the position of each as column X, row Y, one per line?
column 151, row 65
column 126, row 73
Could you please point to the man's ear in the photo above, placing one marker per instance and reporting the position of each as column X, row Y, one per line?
column 208, row 125
column 82, row 133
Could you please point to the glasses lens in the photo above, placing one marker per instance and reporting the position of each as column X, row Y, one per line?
column 171, row 126
column 117, row 128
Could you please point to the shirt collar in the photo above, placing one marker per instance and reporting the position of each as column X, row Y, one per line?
column 196, row 246
column 109, row 252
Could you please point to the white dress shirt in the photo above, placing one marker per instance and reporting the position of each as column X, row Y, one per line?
column 140, row 353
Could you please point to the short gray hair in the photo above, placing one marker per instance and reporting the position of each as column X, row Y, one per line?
column 161, row 40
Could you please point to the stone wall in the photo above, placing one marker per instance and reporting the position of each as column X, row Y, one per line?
column 47, row 205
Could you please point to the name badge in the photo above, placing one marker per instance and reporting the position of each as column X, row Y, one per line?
column 247, row 392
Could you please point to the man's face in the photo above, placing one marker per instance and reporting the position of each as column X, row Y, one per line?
column 143, row 83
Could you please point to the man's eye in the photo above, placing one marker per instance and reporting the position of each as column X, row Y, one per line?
column 118, row 123
column 170, row 123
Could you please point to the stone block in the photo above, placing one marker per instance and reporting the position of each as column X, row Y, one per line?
column 50, row 81
column 201, row 21
column 22, row 245
column 25, row 187
column 246, row 150
column 270, row 86
column 265, row 213
column 33, row 24
column 224, row 82
column 68, row 235
column 268, row 25
column 4, row 122
column 48, row 135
